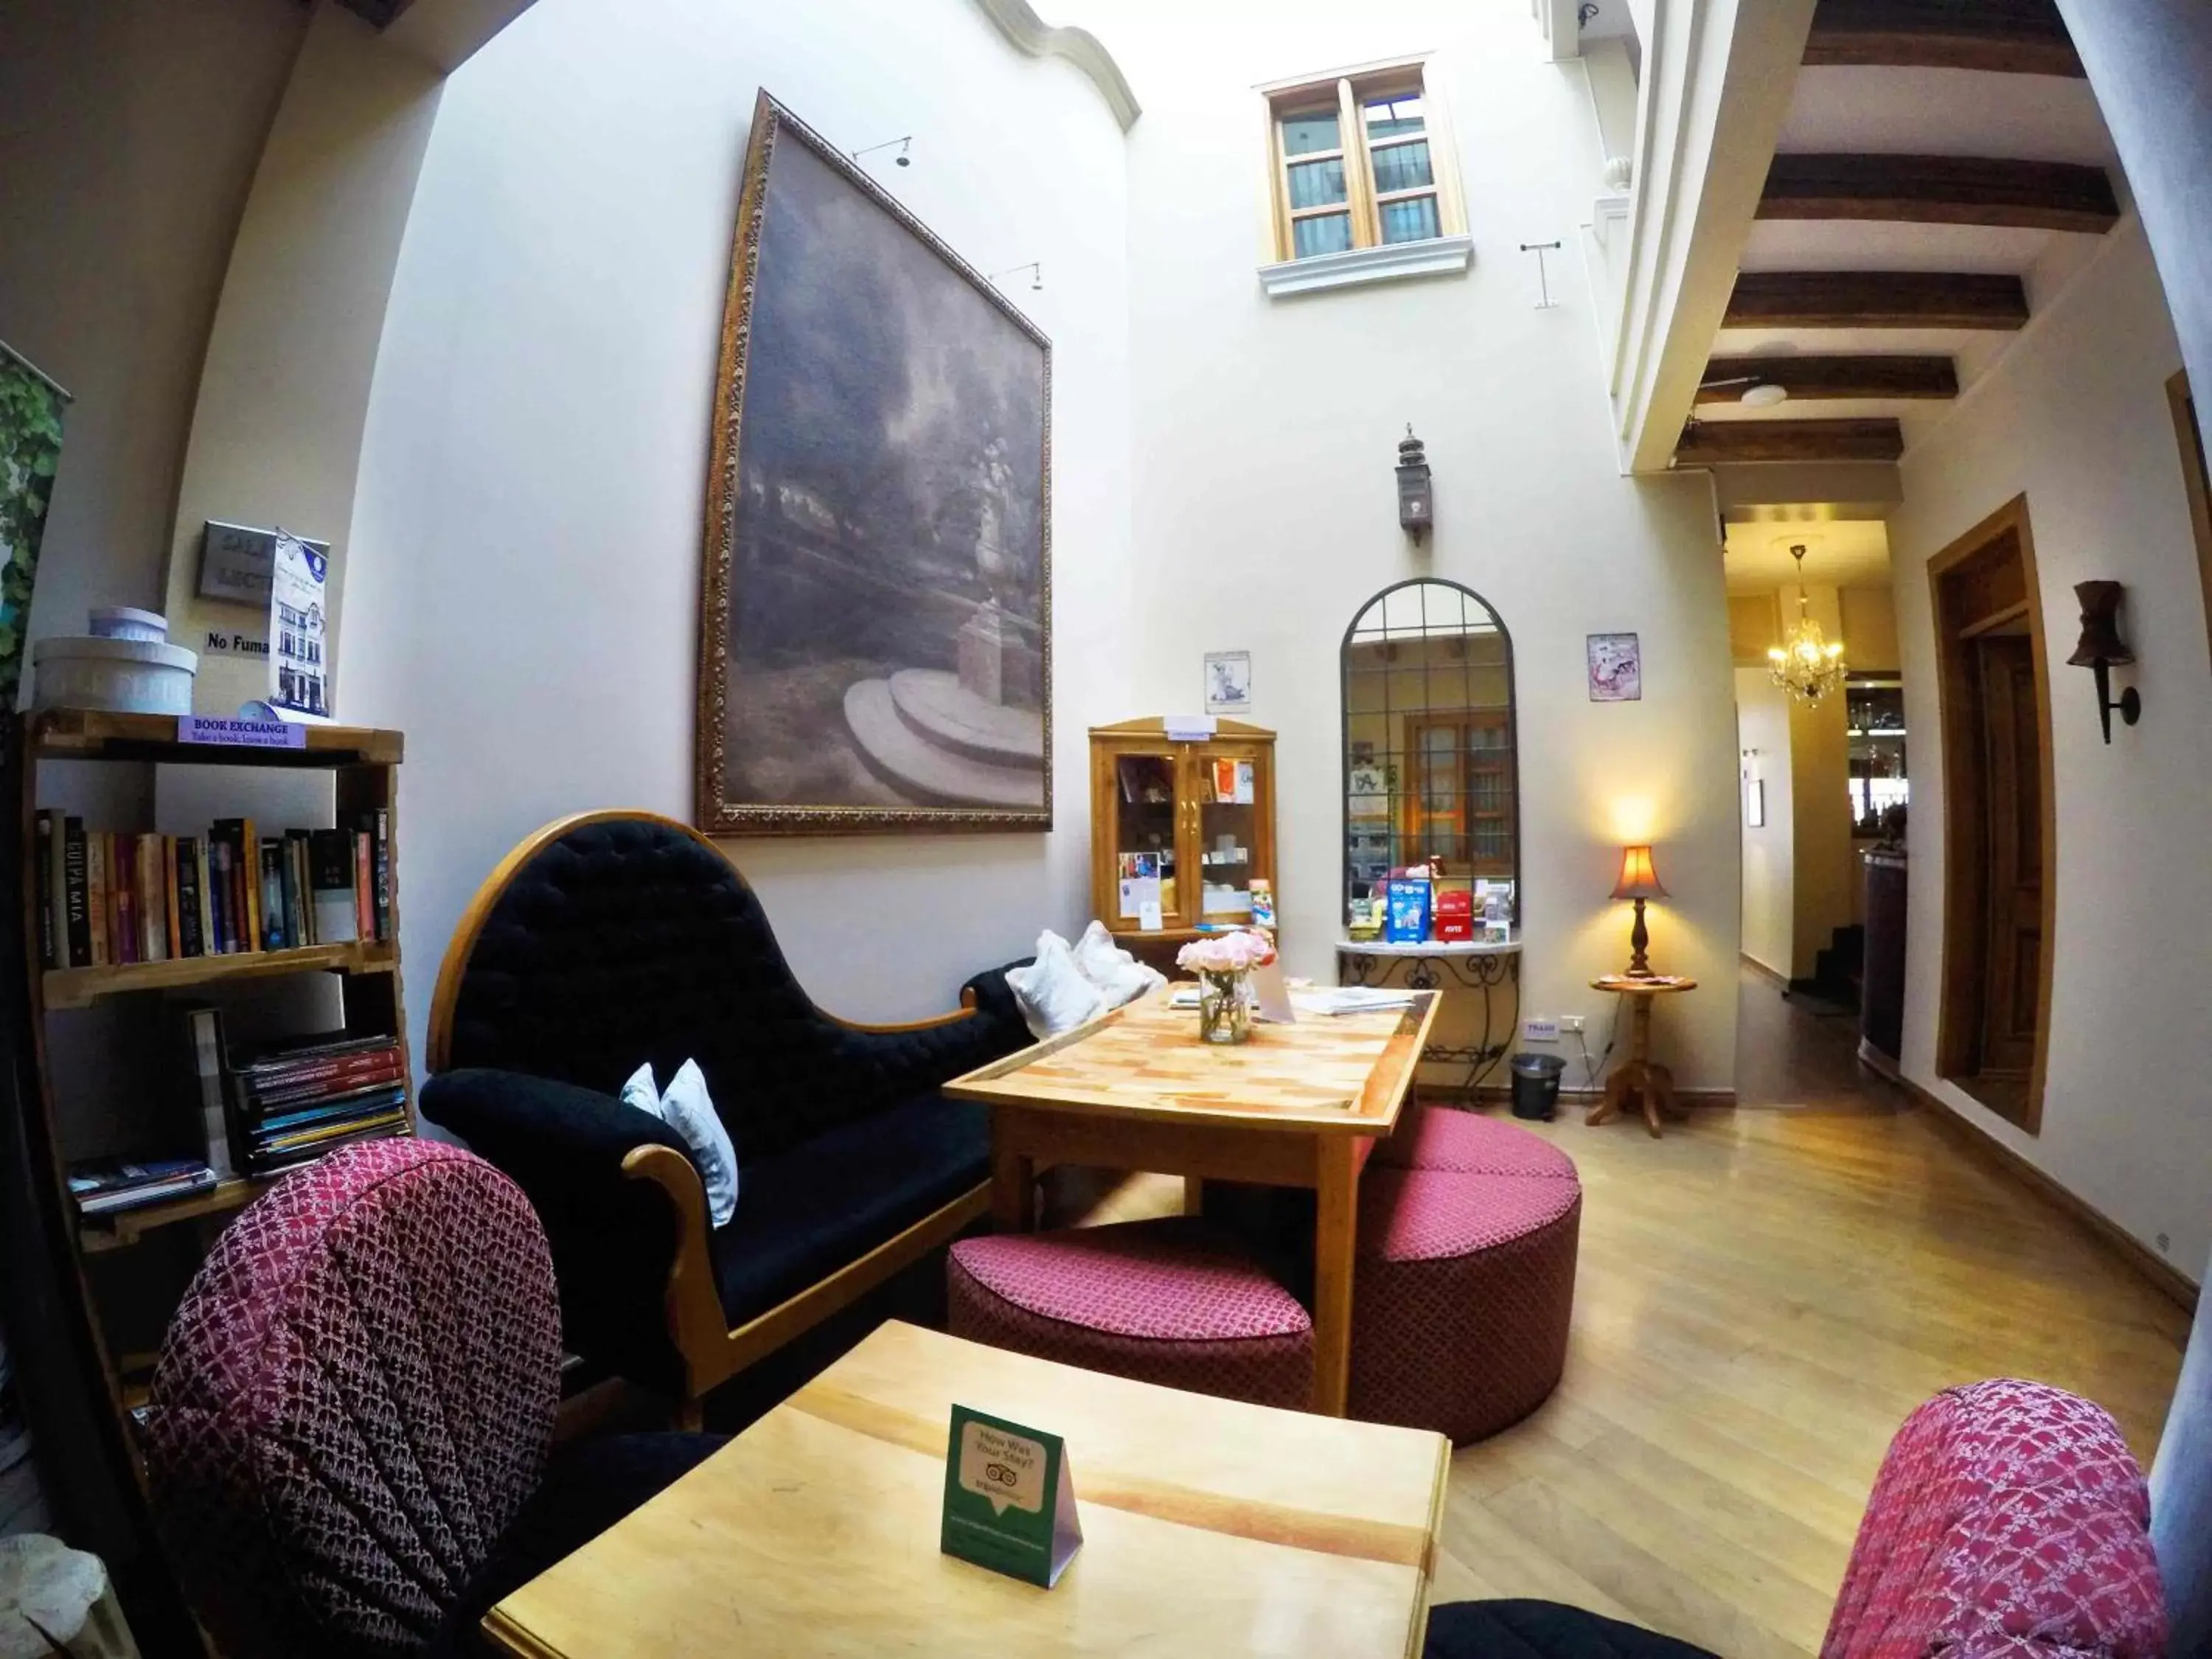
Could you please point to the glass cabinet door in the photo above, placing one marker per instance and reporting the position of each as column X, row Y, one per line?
column 1148, row 807
column 1231, row 788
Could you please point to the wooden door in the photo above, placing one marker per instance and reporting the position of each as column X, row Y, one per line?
column 2012, row 960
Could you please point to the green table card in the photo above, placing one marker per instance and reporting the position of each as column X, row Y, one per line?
column 1009, row 1500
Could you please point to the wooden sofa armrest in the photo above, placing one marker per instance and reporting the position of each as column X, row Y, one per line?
column 966, row 1011
column 693, row 1305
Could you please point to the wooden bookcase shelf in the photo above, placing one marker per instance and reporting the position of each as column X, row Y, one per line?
column 80, row 987
column 80, row 1401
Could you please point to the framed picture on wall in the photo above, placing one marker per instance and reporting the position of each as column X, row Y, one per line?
column 1228, row 681
column 1616, row 668
column 875, row 650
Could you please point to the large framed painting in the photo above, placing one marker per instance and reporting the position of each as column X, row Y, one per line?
column 875, row 645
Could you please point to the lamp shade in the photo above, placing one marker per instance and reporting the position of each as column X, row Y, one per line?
column 1638, row 880
column 2101, row 626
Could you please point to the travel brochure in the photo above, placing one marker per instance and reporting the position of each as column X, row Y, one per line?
column 1414, row 907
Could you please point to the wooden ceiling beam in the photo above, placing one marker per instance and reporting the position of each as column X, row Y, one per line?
column 1942, row 190
column 1720, row 443
column 2007, row 37
column 1832, row 379
column 1876, row 298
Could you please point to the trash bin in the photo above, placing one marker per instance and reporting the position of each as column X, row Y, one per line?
column 1536, row 1085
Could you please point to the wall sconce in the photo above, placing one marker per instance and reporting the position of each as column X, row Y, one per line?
column 1416, row 500
column 2101, row 648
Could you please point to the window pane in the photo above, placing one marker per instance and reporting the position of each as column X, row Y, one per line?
column 1402, row 166
column 1393, row 117
column 1413, row 220
column 1316, row 184
column 1325, row 233
column 1304, row 134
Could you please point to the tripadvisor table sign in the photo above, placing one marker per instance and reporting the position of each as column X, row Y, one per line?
column 1009, row 1501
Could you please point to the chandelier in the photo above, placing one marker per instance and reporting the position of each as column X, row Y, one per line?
column 1806, row 664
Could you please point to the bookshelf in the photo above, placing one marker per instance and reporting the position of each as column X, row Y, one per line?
column 88, row 1287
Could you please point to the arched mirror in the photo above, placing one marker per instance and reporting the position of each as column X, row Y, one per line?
column 1431, row 775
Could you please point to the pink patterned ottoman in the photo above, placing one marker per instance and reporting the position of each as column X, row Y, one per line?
column 1176, row 1302
column 1445, row 1137
column 1465, row 1285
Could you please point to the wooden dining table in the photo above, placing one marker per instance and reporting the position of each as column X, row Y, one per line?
column 1300, row 1104
column 1210, row 1527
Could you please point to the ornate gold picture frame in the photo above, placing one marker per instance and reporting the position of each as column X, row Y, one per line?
column 875, row 647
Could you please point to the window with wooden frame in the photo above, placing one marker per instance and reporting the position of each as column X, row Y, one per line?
column 1360, row 160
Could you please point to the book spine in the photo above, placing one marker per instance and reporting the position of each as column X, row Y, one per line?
column 204, row 875
column 364, row 886
column 249, row 877
column 170, row 896
column 295, row 889
column 191, row 942
column 126, row 912
column 153, row 902
column 49, row 862
column 118, row 886
column 382, row 834
column 219, row 887
column 95, row 894
column 205, row 1026
column 79, row 918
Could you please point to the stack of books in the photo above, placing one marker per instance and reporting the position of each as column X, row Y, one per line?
column 106, row 1185
column 291, row 1105
column 107, row 898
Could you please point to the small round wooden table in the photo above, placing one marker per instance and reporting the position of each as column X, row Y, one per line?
column 1639, row 1074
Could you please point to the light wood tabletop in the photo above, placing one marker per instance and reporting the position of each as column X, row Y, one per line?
column 1298, row 1105
column 1210, row 1527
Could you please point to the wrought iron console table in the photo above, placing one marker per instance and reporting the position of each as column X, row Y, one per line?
column 1433, row 965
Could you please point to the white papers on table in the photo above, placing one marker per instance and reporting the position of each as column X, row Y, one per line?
column 1350, row 999
column 1271, row 998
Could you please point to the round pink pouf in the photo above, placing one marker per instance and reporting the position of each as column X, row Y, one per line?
column 1465, row 1286
column 1445, row 1137
column 1177, row 1302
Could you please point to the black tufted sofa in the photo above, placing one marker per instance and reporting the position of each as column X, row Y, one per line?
column 615, row 938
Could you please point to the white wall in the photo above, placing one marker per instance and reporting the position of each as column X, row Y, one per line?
column 2076, row 417
column 129, row 133
column 526, row 531
column 1770, row 851
column 1265, row 516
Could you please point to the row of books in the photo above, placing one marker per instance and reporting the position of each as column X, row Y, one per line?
column 111, row 897
column 103, row 1186
column 288, row 1105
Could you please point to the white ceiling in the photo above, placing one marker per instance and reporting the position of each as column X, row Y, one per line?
column 1935, row 111
column 1842, row 553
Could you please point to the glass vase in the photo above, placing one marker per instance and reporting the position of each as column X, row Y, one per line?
column 1224, row 1014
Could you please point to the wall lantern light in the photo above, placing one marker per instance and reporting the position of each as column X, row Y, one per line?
column 2102, row 648
column 1416, row 501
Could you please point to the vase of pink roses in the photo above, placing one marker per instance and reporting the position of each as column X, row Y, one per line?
column 1223, row 963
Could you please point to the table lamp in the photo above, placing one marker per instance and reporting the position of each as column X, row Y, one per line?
column 1638, row 881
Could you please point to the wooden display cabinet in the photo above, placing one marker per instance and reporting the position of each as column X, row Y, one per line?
column 1203, row 814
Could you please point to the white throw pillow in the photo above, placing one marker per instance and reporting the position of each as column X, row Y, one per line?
column 686, row 1109
column 1119, row 977
column 1053, row 995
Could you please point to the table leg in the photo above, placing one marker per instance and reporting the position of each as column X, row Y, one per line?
column 1194, row 1194
column 1616, row 1095
column 1013, row 1188
column 1336, row 1228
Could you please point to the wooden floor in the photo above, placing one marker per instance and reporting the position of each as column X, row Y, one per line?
column 1762, row 1297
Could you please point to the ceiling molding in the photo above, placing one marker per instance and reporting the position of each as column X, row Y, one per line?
column 1877, row 299
column 1028, row 33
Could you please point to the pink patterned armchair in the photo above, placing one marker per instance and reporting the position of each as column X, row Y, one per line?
column 347, row 1445
column 2008, row 1522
